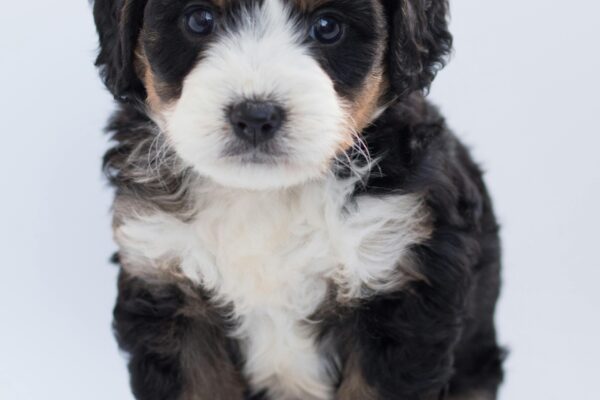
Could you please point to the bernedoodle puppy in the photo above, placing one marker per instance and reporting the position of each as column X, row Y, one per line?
column 294, row 220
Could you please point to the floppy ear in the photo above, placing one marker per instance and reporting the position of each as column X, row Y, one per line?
column 119, row 23
column 419, row 42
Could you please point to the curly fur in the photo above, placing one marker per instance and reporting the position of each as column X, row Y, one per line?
column 377, row 280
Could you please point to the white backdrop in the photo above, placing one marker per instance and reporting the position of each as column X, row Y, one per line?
column 522, row 90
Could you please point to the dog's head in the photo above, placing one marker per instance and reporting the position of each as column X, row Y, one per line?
column 267, row 93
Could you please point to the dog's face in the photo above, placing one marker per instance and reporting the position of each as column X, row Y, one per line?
column 262, row 93
column 267, row 93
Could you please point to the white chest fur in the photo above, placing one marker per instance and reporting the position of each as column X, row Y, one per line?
column 271, row 255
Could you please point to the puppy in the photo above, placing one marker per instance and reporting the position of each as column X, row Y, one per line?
column 294, row 219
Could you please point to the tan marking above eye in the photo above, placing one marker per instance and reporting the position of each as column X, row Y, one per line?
column 309, row 5
column 221, row 3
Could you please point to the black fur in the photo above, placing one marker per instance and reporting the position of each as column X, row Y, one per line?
column 438, row 334
column 177, row 342
column 420, row 42
column 119, row 23
column 149, row 328
column 432, row 339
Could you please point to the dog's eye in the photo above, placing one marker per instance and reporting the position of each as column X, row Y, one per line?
column 200, row 21
column 327, row 30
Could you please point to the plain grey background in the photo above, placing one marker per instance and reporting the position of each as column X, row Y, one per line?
column 522, row 90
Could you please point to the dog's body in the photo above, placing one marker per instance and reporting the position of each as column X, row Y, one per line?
column 342, row 247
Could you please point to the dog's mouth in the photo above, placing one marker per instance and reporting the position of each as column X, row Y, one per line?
column 254, row 158
column 269, row 153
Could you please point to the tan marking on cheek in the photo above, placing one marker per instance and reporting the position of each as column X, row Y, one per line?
column 151, row 84
column 362, row 107
column 153, row 99
column 367, row 102
column 361, row 110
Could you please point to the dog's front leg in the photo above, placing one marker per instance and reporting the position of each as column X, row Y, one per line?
column 393, row 360
column 401, row 345
column 177, row 346
column 389, row 361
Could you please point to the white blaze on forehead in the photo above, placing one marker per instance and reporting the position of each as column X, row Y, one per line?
column 262, row 57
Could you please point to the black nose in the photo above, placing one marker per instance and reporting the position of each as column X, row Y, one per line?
column 256, row 121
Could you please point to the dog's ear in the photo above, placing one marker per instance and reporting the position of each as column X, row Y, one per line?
column 419, row 42
column 119, row 23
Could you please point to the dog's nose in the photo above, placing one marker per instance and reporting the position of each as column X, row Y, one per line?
column 256, row 121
